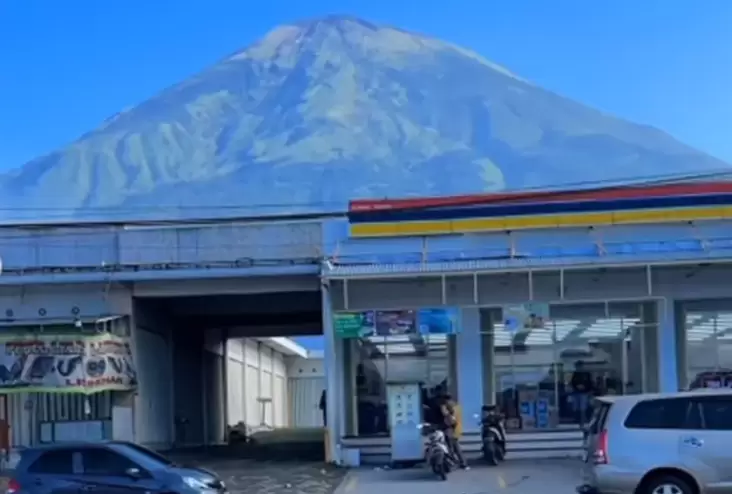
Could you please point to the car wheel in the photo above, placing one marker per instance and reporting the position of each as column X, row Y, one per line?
column 668, row 484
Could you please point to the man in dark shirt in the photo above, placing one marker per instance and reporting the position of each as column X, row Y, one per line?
column 582, row 386
column 324, row 408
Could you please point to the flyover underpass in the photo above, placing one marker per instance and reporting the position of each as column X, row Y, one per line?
column 186, row 396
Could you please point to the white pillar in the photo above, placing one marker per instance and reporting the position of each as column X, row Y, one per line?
column 668, row 352
column 333, row 376
column 469, row 367
column 225, row 383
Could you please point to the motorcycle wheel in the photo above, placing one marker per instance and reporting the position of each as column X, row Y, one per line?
column 500, row 452
column 439, row 467
column 489, row 453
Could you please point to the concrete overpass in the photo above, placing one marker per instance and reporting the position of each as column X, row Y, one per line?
column 178, row 291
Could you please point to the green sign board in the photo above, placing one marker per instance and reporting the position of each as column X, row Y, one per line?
column 353, row 324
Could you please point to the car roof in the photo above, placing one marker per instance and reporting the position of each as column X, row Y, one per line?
column 74, row 444
column 676, row 394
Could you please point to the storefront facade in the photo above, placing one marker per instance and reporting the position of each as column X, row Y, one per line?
column 620, row 308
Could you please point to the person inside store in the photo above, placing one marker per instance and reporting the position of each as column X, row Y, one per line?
column 582, row 388
column 451, row 426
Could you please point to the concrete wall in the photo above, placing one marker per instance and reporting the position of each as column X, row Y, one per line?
column 152, row 340
column 34, row 248
column 306, row 382
column 256, row 371
column 19, row 303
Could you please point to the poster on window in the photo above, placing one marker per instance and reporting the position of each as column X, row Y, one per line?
column 354, row 324
column 66, row 364
column 396, row 322
column 438, row 321
column 531, row 315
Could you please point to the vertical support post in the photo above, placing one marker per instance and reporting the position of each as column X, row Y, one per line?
column 561, row 284
column 345, row 295
column 649, row 279
column 225, row 381
column 204, row 392
column 443, row 290
column 531, row 285
column 668, row 353
column 476, row 293
column 470, row 374
column 174, row 419
column 333, row 396
column 424, row 250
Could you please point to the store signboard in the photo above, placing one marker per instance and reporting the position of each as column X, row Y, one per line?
column 530, row 315
column 71, row 363
column 363, row 324
column 438, row 321
column 354, row 324
column 396, row 322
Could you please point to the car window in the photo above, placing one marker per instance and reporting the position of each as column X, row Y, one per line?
column 716, row 412
column 56, row 462
column 663, row 413
column 99, row 461
column 148, row 453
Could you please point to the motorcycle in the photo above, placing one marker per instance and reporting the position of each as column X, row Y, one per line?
column 437, row 453
column 493, row 435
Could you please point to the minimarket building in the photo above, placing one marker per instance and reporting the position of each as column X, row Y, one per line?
column 500, row 298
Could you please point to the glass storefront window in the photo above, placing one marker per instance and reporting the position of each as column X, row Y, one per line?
column 545, row 377
column 375, row 361
column 708, row 341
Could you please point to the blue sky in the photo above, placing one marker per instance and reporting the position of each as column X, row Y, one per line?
column 66, row 66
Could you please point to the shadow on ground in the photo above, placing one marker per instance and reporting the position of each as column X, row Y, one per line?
column 275, row 445
column 271, row 462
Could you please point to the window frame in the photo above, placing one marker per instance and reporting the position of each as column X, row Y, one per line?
column 45, row 454
column 699, row 402
column 90, row 450
column 687, row 422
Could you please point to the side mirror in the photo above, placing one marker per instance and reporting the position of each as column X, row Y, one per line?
column 134, row 473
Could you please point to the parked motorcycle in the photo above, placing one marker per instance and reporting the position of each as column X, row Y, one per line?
column 437, row 453
column 493, row 435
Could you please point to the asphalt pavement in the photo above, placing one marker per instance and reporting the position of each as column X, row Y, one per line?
column 511, row 477
column 277, row 477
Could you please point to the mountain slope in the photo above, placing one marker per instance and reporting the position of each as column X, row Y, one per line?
column 319, row 112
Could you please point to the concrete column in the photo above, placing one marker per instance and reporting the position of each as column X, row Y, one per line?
column 469, row 367
column 225, row 383
column 667, row 348
column 488, row 356
column 333, row 378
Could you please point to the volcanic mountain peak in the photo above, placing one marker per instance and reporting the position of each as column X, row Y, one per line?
column 322, row 111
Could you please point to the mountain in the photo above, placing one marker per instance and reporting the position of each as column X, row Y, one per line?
column 319, row 112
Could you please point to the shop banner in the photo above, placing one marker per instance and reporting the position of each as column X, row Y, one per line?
column 396, row 322
column 66, row 364
column 354, row 324
column 530, row 315
column 438, row 321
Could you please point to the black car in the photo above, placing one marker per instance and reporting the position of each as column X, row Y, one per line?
column 106, row 468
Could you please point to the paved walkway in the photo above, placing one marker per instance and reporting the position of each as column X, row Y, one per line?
column 511, row 477
column 261, row 477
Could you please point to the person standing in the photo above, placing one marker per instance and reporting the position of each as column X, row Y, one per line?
column 582, row 388
column 451, row 426
column 324, row 408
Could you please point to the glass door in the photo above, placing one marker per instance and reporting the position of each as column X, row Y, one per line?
column 639, row 359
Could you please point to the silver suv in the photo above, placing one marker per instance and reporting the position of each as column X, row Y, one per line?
column 675, row 443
